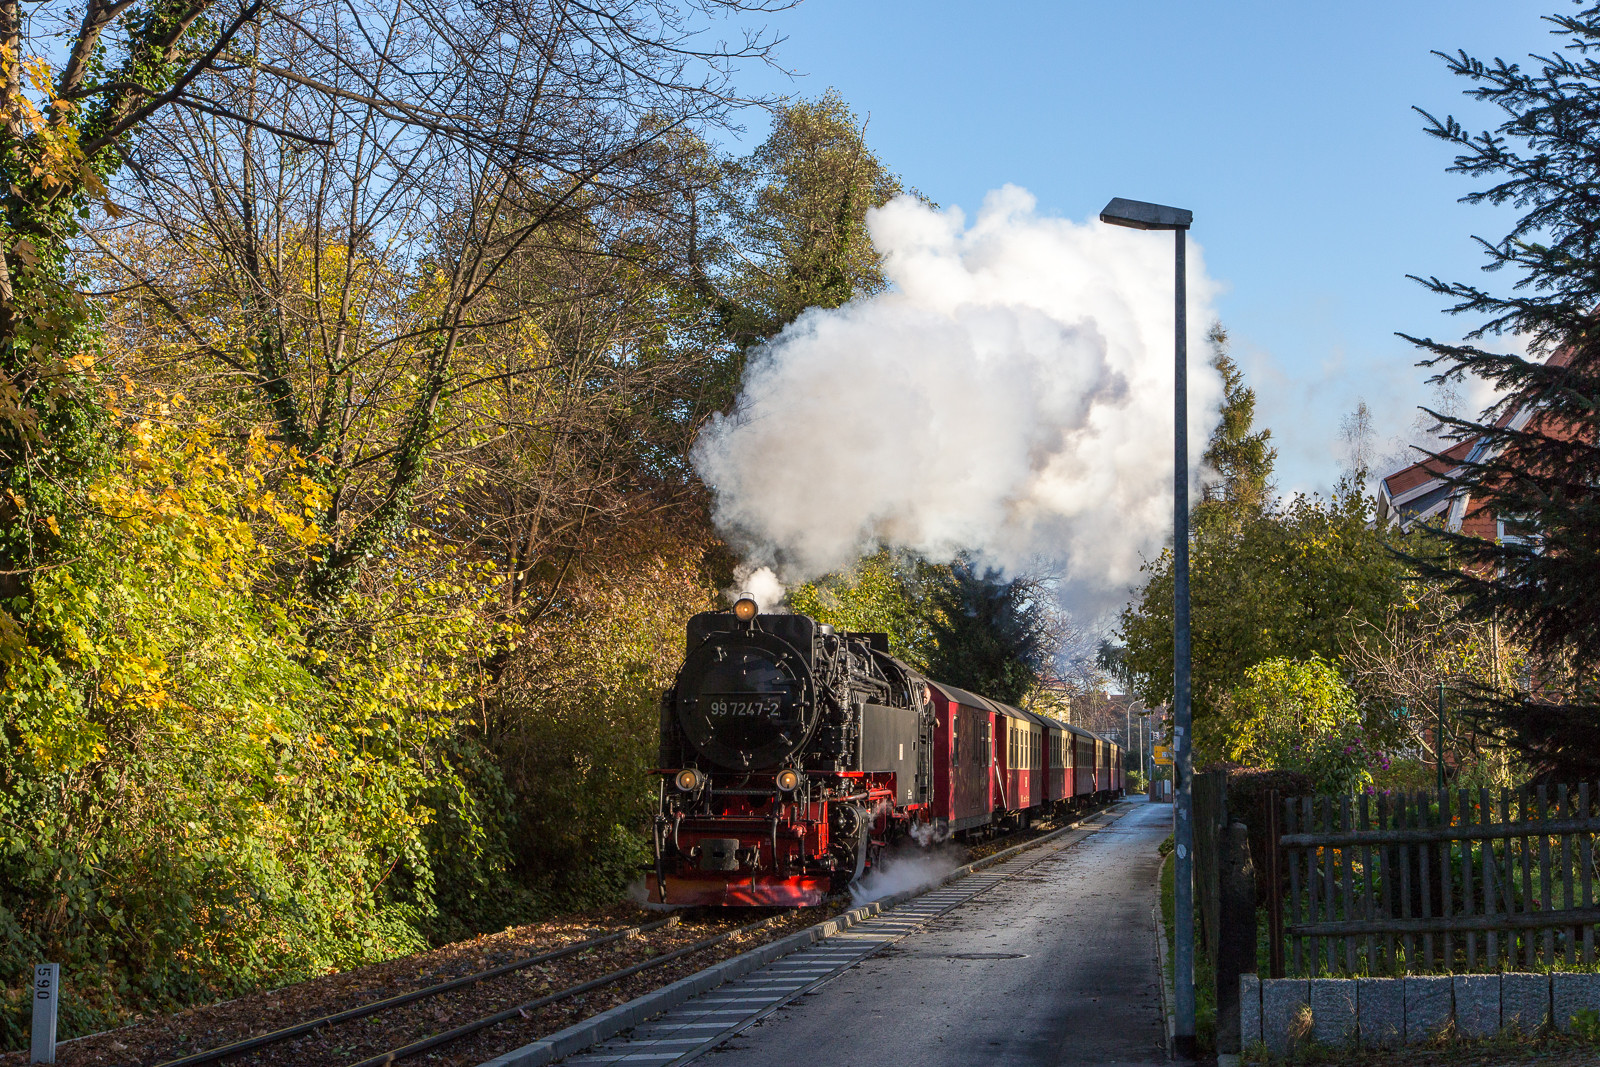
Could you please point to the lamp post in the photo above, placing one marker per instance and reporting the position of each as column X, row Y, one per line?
column 1142, row 216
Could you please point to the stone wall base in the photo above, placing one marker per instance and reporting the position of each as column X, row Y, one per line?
column 1381, row 1012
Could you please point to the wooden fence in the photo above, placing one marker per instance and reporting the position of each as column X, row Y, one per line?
column 1450, row 881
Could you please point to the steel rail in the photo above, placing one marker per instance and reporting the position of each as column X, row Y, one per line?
column 239, row 1048
column 521, row 1010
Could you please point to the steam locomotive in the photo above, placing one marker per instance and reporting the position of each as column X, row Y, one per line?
column 792, row 756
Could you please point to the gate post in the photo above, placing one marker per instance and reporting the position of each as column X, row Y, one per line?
column 1236, row 940
column 1274, row 879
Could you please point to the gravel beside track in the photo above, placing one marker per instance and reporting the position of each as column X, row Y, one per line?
column 154, row 1041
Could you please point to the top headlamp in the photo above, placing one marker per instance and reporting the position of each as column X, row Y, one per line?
column 745, row 608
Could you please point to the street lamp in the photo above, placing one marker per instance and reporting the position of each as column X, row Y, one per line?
column 1142, row 216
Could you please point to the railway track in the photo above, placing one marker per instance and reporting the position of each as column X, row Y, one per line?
column 321, row 1026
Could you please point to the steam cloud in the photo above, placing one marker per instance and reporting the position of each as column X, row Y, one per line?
column 906, row 871
column 1009, row 395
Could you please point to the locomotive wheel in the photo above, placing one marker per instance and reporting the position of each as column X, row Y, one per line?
column 863, row 846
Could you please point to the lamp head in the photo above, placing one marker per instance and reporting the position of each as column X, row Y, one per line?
column 745, row 608
column 1139, row 215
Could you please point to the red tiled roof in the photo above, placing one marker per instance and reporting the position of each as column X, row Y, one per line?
column 1425, row 470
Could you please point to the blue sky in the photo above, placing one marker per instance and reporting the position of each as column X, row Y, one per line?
column 1287, row 128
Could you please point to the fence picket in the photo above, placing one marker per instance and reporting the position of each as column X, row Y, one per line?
column 1568, row 940
column 1367, row 909
column 1509, row 883
column 1346, row 855
column 1447, row 907
column 1308, row 816
column 1329, row 858
column 1547, row 938
column 1529, row 939
column 1426, row 890
column 1586, row 865
column 1485, row 815
column 1290, row 824
column 1468, row 907
column 1408, row 944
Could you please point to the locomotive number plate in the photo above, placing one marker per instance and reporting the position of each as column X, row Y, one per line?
column 743, row 705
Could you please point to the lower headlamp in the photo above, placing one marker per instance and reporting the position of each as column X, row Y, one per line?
column 788, row 781
column 688, row 779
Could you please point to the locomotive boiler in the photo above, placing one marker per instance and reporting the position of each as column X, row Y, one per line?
column 792, row 755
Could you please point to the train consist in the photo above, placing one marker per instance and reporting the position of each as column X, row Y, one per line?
column 792, row 756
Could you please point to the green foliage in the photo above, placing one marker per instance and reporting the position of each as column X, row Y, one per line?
column 967, row 628
column 1290, row 582
column 991, row 635
column 1538, row 475
column 1241, row 455
column 886, row 592
column 1298, row 715
column 192, row 801
column 798, row 211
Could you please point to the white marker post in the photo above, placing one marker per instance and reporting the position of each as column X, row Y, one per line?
column 46, row 995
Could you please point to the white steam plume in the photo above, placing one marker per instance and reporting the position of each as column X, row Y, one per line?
column 907, row 869
column 1010, row 395
column 761, row 583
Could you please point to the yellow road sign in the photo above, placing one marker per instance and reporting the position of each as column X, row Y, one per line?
column 1162, row 754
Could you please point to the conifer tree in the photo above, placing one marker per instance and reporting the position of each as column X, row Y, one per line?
column 1241, row 455
column 1539, row 475
column 990, row 634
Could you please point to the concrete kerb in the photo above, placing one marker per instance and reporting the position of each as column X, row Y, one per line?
column 608, row 1024
column 1168, row 1018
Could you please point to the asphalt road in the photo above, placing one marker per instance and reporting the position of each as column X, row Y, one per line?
column 1055, row 965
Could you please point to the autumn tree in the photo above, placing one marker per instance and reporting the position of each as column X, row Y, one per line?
column 1292, row 583
column 360, row 276
column 797, row 219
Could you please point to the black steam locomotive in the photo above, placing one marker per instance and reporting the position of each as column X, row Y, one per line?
column 792, row 755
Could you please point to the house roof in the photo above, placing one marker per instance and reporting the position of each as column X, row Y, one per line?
column 1420, row 491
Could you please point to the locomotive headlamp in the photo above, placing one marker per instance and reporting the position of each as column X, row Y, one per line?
column 788, row 781
column 688, row 779
column 745, row 608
